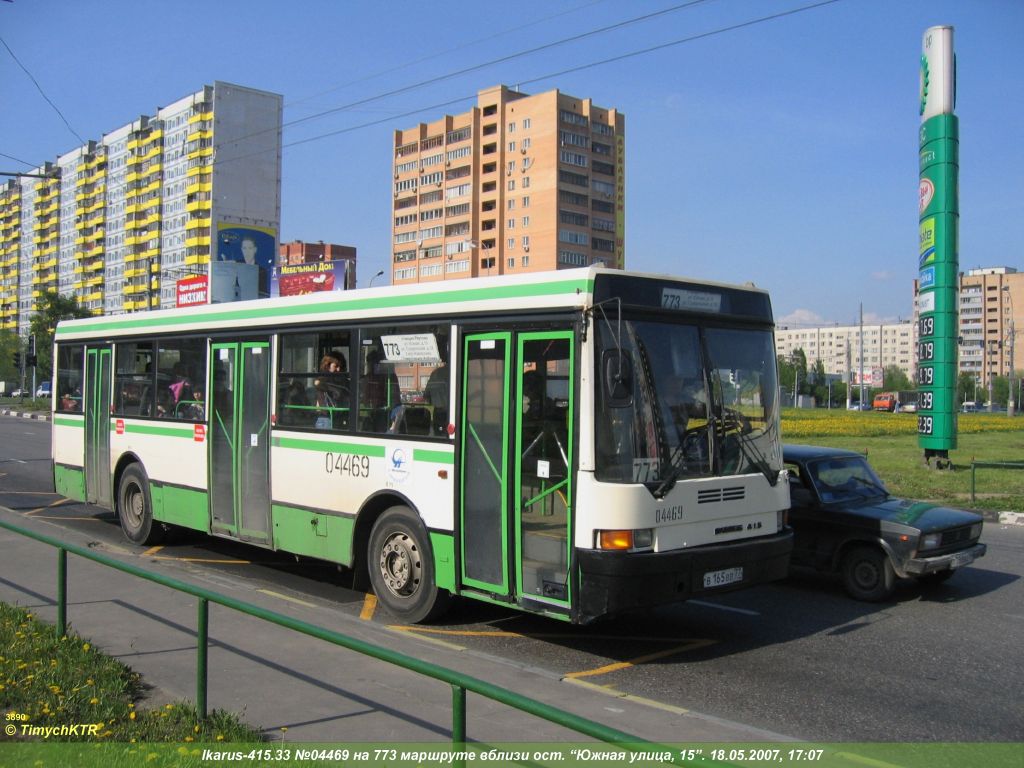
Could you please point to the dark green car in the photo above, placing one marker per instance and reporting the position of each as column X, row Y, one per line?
column 845, row 522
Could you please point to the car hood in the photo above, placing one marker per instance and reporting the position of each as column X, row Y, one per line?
column 916, row 514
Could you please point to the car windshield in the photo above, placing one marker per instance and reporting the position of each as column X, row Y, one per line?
column 845, row 478
column 699, row 402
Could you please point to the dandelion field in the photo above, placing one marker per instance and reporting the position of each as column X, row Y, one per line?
column 50, row 682
column 890, row 441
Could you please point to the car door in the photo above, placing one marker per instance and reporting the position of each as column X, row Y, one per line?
column 814, row 539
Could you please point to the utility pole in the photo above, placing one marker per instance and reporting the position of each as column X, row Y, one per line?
column 861, row 355
column 1009, row 403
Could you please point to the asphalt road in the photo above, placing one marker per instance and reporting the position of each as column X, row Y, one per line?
column 796, row 658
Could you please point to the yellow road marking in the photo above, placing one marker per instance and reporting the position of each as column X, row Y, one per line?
column 287, row 597
column 201, row 560
column 609, row 690
column 460, row 632
column 48, row 517
column 152, row 553
column 369, row 606
column 427, row 638
column 607, row 668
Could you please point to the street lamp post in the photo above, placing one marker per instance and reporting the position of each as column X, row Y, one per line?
column 1010, row 405
column 379, row 274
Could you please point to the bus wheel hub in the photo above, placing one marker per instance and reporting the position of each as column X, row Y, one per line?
column 400, row 564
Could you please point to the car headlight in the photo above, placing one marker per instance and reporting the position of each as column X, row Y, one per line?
column 930, row 541
column 976, row 531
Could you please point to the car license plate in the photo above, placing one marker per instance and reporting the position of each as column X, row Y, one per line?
column 723, row 577
column 961, row 558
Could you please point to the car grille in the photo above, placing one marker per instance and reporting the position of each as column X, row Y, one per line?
column 956, row 536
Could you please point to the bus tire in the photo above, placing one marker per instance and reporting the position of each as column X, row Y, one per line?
column 135, row 507
column 401, row 566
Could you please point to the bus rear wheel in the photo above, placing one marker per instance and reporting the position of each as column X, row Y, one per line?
column 401, row 566
column 135, row 507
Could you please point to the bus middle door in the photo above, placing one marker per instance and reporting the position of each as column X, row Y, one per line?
column 240, row 440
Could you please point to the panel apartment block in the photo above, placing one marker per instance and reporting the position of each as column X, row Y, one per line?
column 116, row 222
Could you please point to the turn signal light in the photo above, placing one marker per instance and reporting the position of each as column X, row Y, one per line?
column 615, row 539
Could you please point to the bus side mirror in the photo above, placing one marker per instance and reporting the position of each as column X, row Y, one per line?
column 618, row 378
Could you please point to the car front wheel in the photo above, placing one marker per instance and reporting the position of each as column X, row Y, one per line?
column 868, row 575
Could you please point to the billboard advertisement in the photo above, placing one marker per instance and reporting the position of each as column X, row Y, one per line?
column 299, row 279
column 248, row 244
column 192, row 291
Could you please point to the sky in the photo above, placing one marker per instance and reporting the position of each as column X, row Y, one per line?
column 782, row 151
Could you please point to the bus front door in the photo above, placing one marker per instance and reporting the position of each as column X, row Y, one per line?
column 516, row 465
column 240, row 440
column 97, row 426
column 544, row 422
column 485, row 440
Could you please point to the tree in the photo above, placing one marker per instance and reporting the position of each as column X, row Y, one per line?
column 966, row 387
column 1000, row 391
column 895, row 380
column 51, row 309
column 9, row 344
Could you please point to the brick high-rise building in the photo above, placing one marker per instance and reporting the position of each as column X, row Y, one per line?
column 517, row 184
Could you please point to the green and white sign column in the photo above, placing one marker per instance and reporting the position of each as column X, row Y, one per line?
column 938, row 256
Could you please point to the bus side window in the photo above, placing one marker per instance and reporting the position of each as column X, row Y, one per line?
column 70, row 360
column 313, row 380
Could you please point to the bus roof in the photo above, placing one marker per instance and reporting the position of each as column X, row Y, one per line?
column 553, row 290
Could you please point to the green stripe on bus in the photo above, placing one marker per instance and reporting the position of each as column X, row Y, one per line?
column 149, row 429
column 64, row 422
column 291, row 312
column 375, row 451
column 438, row 457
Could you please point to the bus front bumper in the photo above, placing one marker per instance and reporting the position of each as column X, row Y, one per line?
column 612, row 582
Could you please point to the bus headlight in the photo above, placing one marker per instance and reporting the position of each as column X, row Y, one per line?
column 781, row 519
column 625, row 541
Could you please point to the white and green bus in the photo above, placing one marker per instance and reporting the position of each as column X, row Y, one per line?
column 572, row 443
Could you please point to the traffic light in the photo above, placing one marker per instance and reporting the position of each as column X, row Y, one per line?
column 17, row 360
column 31, row 360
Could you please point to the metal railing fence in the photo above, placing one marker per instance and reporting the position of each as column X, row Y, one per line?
column 991, row 465
column 460, row 683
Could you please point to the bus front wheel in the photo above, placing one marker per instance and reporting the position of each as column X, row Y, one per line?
column 135, row 507
column 401, row 566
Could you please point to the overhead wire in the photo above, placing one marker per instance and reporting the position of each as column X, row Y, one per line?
column 41, row 91
column 444, row 52
column 590, row 65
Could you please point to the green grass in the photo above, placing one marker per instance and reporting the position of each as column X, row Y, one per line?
column 51, row 681
column 891, row 446
column 26, row 404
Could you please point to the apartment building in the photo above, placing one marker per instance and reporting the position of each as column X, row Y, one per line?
column 839, row 347
column 991, row 306
column 519, row 183
column 118, row 221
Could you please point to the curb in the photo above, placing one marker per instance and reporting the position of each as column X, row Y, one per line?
column 25, row 414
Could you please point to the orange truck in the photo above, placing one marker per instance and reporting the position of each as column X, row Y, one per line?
column 885, row 401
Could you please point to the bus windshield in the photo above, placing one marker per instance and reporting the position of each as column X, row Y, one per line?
column 694, row 402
